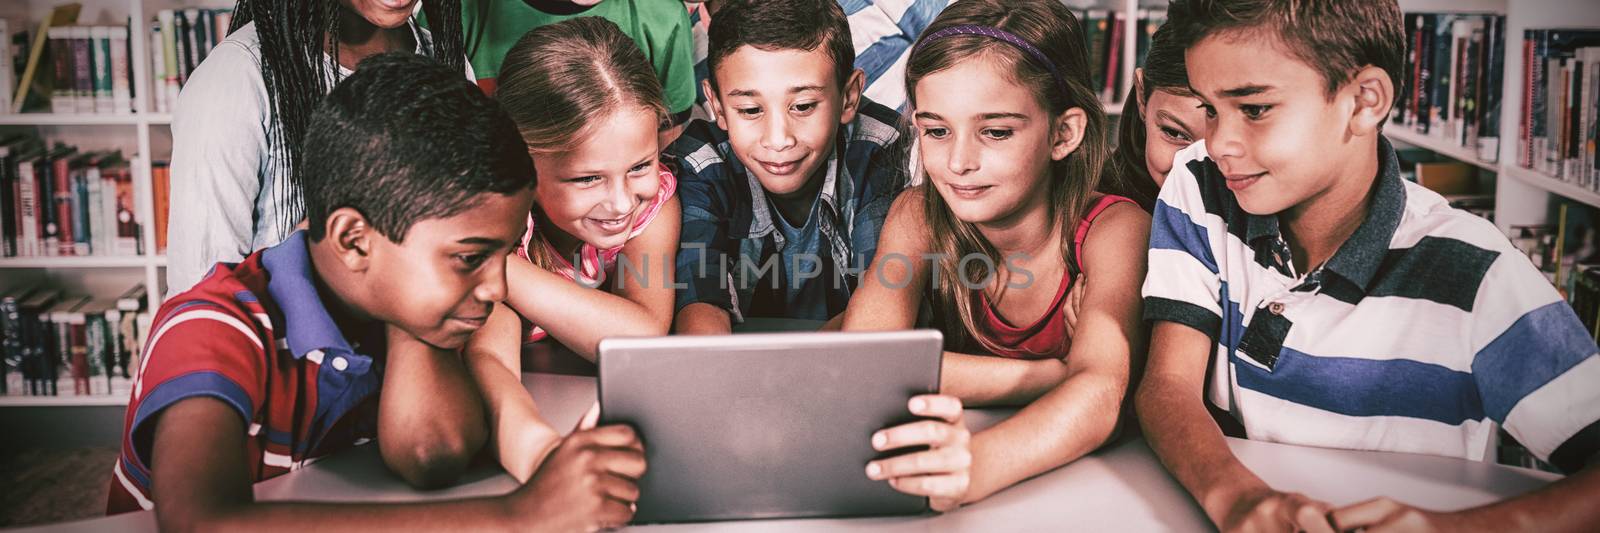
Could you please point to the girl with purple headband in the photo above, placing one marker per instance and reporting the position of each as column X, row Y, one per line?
column 1013, row 141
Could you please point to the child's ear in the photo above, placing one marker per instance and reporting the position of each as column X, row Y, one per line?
column 350, row 236
column 1374, row 95
column 713, row 101
column 1068, row 134
column 852, row 96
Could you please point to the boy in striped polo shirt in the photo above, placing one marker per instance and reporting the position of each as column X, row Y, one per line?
column 421, row 186
column 1299, row 285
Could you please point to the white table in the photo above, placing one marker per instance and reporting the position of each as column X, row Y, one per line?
column 1121, row 488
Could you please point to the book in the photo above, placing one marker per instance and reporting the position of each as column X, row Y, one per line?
column 11, row 330
column 39, row 345
column 158, row 71
column 1489, row 110
column 159, row 181
column 63, row 95
column 100, row 46
column 169, row 54
column 82, row 68
column 7, row 69
column 121, row 71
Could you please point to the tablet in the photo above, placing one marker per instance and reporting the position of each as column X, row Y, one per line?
column 766, row 425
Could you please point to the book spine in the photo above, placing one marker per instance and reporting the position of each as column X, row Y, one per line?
column 58, row 363
column 7, row 68
column 1591, row 114
column 1452, row 108
column 128, row 236
column 1438, row 116
column 121, row 73
column 1489, row 125
column 96, row 350
column 1575, row 97
column 1534, row 93
column 169, row 55
column 9, row 210
column 61, row 187
column 78, row 354
column 101, row 46
column 28, row 209
column 11, row 345
column 199, row 34
column 116, row 354
column 159, row 186
column 1554, row 102
column 81, row 237
column 128, row 333
column 158, row 71
column 1097, row 35
column 95, row 208
column 1424, row 107
column 1119, row 29
column 185, row 43
column 83, row 68
column 49, row 228
column 62, row 96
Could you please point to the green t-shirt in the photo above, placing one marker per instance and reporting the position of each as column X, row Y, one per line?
column 661, row 27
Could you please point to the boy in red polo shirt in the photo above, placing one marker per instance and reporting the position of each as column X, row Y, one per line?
column 418, row 188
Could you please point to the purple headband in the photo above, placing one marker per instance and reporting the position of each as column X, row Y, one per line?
column 1004, row 36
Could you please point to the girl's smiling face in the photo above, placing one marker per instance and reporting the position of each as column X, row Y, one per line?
column 989, row 158
column 593, row 192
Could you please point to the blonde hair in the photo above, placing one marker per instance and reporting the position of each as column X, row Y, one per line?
column 559, row 80
column 1052, row 29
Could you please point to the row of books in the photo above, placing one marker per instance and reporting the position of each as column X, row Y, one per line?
column 1103, row 34
column 59, row 201
column 54, row 343
column 90, row 69
column 184, row 37
column 1561, row 94
column 67, row 68
column 1451, row 87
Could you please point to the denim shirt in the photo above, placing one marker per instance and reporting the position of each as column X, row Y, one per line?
column 731, row 253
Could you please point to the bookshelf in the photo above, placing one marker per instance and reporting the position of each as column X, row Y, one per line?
column 102, row 130
column 1521, row 195
column 141, row 135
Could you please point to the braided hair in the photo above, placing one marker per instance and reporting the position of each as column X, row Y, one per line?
column 294, row 36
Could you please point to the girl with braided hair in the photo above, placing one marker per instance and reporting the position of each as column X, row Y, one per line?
column 243, row 111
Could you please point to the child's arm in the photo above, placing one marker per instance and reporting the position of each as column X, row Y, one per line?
column 1566, row 505
column 1176, row 425
column 203, row 484
column 573, row 313
column 522, row 438
column 891, row 292
column 1074, row 417
column 430, row 415
column 701, row 318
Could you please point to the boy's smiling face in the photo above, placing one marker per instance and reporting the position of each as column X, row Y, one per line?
column 1272, row 128
column 782, row 109
column 440, row 283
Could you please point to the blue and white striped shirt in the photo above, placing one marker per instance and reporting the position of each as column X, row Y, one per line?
column 1422, row 333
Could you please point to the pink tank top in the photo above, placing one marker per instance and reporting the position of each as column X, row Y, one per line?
column 1046, row 338
column 594, row 263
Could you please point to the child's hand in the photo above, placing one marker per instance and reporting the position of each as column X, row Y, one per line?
column 1074, row 304
column 1267, row 510
column 1384, row 514
column 589, row 482
column 942, row 472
